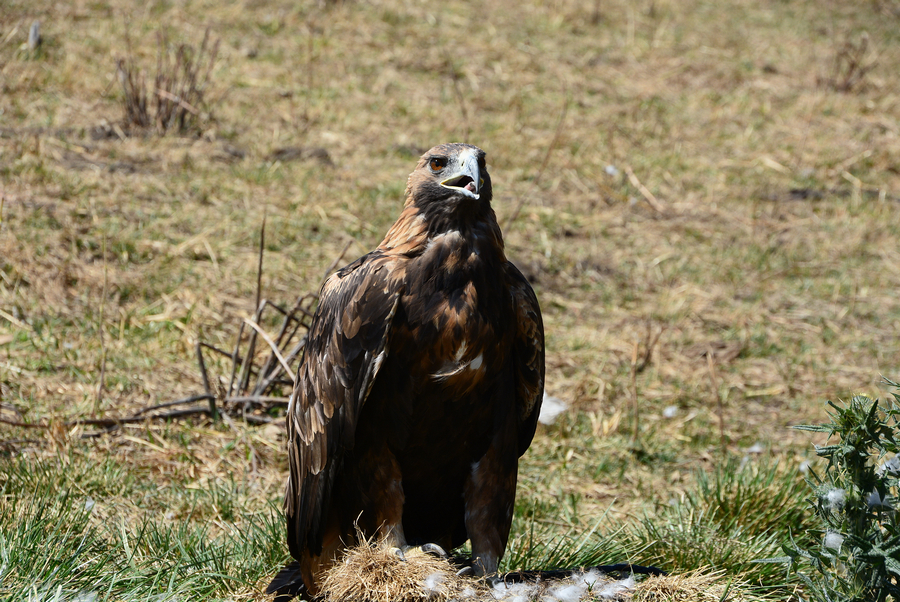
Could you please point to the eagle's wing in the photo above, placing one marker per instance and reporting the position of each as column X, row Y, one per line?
column 528, row 355
column 346, row 345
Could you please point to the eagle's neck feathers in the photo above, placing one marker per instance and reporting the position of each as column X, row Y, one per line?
column 418, row 229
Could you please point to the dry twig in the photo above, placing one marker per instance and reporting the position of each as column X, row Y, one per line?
column 720, row 407
column 110, row 425
column 645, row 192
column 649, row 345
column 102, row 379
column 634, row 395
column 274, row 348
column 537, row 178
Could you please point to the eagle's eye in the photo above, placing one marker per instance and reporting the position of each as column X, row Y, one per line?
column 438, row 163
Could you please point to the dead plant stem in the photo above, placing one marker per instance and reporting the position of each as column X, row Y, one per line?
column 645, row 192
column 259, row 263
column 274, row 347
column 213, row 412
column 102, row 379
column 634, row 395
column 461, row 101
column 720, row 409
column 537, row 178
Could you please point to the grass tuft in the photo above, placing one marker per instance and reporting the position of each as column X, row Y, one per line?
column 178, row 101
column 852, row 63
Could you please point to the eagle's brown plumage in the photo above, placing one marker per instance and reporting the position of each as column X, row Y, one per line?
column 420, row 385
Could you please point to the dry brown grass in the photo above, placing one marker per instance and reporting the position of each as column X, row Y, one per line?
column 696, row 586
column 372, row 572
column 772, row 240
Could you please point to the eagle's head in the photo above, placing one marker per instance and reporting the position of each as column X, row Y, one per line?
column 450, row 179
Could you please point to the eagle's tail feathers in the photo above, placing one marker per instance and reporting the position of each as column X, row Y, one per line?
column 288, row 583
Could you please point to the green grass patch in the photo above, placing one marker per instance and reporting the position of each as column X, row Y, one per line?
column 72, row 528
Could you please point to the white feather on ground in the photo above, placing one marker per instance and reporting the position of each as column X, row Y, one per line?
column 514, row 592
column 551, row 408
column 614, row 589
column 577, row 588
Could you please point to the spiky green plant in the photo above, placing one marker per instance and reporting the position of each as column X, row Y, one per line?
column 857, row 557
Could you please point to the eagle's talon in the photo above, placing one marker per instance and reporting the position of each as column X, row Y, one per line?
column 466, row 571
column 434, row 550
column 399, row 554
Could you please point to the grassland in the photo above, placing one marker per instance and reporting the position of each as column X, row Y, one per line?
column 709, row 199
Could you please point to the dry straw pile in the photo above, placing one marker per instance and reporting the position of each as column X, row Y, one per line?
column 372, row 572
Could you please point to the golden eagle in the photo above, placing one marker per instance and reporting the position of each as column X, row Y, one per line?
column 420, row 385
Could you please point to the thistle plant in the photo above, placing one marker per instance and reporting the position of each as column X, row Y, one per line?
column 857, row 557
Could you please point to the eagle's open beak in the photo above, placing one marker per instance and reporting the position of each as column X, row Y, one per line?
column 467, row 178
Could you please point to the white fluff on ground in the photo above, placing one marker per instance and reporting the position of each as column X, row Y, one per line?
column 615, row 588
column 551, row 407
column 579, row 586
column 433, row 582
column 514, row 592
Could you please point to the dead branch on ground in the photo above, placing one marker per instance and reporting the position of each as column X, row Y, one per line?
column 851, row 65
column 258, row 383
